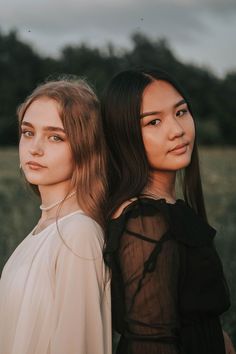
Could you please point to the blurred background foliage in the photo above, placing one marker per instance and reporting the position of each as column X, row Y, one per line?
column 21, row 69
column 214, row 105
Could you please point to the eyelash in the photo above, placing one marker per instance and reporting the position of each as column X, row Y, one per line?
column 154, row 120
column 24, row 132
column 184, row 111
column 58, row 138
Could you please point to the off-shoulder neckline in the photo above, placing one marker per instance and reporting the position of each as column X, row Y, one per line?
column 147, row 199
column 185, row 224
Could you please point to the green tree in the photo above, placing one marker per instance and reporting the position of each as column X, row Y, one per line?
column 20, row 69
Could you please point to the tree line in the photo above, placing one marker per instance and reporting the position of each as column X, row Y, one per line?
column 22, row 69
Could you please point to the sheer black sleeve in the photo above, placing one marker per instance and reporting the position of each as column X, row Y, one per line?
column 149, row 264
column 168, row 286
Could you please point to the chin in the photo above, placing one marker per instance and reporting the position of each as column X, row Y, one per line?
column 173, row 167
column 181, row 161
column 180, row 166
column 35, row 181
column 35, row 178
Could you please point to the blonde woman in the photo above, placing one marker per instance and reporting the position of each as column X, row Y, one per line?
column 54, row 292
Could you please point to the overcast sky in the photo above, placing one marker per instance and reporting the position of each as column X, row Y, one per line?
column 199, row 31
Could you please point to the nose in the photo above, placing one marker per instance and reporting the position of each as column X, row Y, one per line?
column 36, row 147
column 175, row 129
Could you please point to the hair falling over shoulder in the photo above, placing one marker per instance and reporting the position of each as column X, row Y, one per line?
column 79, row 110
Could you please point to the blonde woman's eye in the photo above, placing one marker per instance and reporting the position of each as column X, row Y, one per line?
column 154, row 122
column 55, row 138
column 181, row 112
column 27, row 133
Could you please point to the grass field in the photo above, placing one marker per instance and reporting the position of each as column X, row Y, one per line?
column 19, row 210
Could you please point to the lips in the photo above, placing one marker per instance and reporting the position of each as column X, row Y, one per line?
column 179, row 147
column 34, row 164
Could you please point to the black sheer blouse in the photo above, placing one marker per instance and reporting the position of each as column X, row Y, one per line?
column 168, row 286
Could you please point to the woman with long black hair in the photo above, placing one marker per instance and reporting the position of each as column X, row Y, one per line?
column 168, row 286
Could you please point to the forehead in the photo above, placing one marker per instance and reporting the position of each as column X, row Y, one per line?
column 159, row 95
column 43, row 112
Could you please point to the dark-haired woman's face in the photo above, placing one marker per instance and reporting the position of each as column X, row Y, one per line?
column 167, row 127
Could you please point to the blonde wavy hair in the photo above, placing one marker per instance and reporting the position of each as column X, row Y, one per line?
column 79, row 110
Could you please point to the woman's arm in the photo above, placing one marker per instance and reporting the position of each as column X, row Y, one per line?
column 81, row 311
column 149, row 265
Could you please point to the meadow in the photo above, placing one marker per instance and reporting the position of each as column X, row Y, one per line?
column 19, row 210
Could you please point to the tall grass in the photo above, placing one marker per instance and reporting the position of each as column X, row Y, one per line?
column 219, row 183
column 19, row 210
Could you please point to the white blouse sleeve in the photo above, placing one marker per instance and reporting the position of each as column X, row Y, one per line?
column 81, row 320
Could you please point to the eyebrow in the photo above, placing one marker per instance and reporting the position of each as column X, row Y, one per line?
column 48, row 128
column 156, row 112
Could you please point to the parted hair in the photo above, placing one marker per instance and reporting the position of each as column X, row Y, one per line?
column 128, row 165
column 79, row 110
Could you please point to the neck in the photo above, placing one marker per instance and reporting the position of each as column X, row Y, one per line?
column 162, row 185
column 53, row 193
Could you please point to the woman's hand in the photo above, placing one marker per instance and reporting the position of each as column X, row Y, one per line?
column 229, row 349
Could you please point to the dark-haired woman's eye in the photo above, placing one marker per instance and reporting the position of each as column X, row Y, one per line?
column 154, row 122
column 181, row 112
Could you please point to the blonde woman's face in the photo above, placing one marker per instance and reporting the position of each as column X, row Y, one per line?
column 167, row 127
column 45, row 153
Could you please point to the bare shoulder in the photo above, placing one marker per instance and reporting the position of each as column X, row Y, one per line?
column 122, row 207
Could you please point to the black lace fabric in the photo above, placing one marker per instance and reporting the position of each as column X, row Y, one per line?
column 155, row 306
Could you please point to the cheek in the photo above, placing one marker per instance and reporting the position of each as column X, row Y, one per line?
column 62, row 159
column 60, row 165
column 22, row 150
column 155, row 146
column 153, row 143
column 194, row 132
column 190, row 137
column 191, row 132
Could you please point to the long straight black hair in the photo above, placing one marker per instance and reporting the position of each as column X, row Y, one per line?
column 128, row 167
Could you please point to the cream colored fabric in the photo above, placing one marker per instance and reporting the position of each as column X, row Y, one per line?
column 54, row 300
